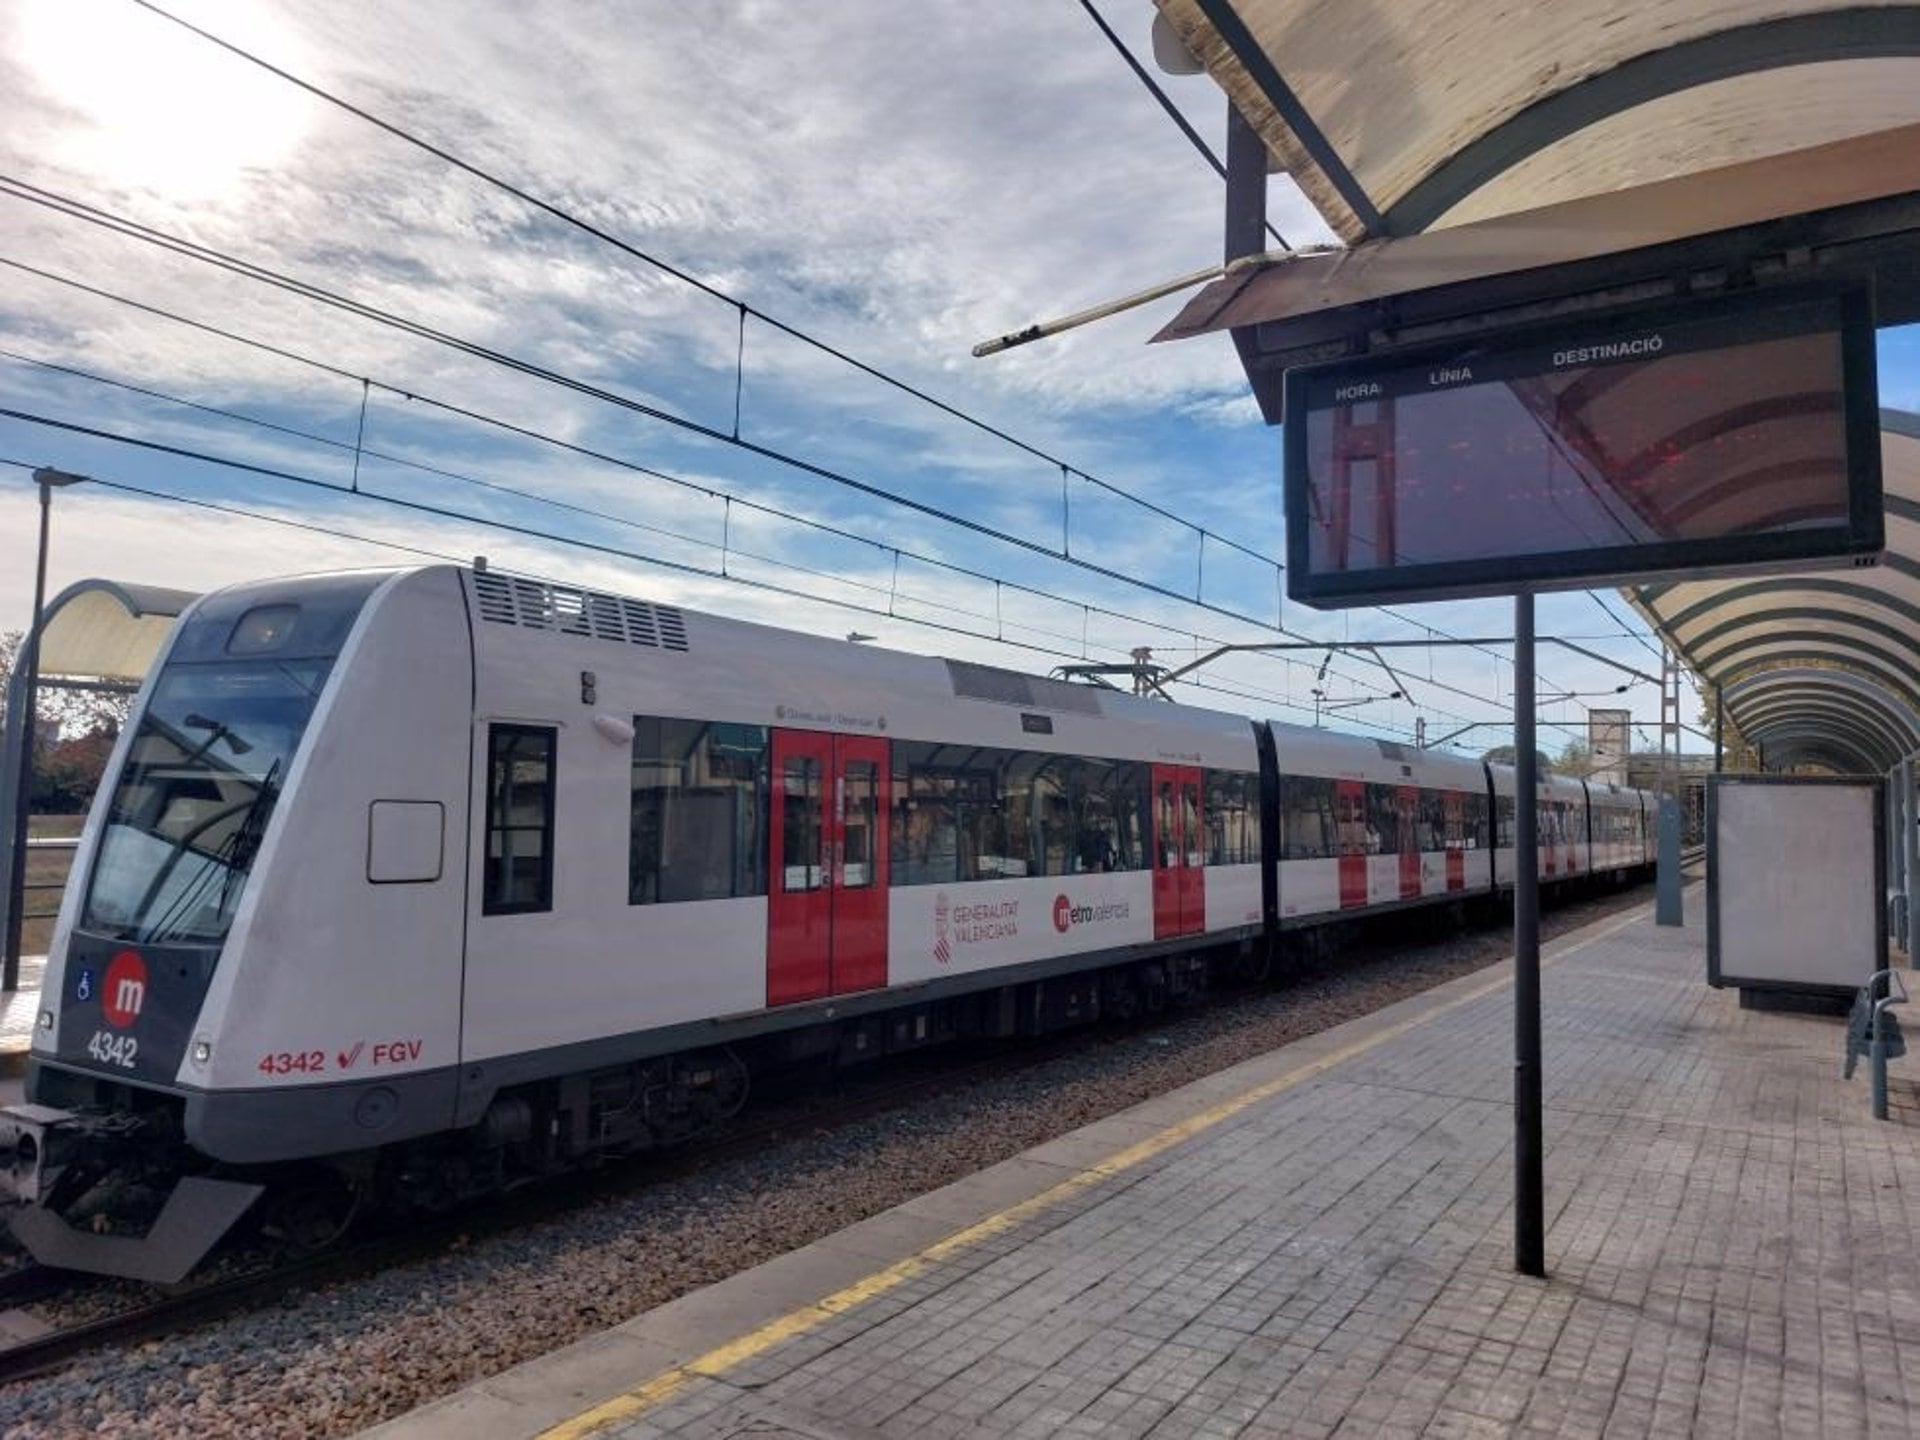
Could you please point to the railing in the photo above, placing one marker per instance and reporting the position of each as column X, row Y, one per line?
column 1873, row 1031
column 42, row 843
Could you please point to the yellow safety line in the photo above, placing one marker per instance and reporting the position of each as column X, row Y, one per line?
column 716, row 1361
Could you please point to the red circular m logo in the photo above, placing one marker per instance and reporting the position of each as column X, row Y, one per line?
column 124, row 990
column 1062, row 913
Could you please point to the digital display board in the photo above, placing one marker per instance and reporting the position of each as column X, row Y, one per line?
column 1735, row 432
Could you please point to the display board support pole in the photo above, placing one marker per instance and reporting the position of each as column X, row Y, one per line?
column 1529, row 1182
column 1910, row 843
column 1668, row 908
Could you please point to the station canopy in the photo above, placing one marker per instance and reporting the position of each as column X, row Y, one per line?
column 1451, row 142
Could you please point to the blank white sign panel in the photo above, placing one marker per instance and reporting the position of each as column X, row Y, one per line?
column 1798, row 898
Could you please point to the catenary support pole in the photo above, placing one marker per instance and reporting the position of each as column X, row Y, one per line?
column 1910, row 843
column 1529, row 1180
column 1896, row 821
column 23, row 798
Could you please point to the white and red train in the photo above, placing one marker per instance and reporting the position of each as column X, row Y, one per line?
column 491, row 875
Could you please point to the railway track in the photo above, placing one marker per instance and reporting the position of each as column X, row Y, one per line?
column 181, row 1307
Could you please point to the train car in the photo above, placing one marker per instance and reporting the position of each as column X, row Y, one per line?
column 1561, row 811
column 424, row 880
column 404, row 855
column 1370, row 825
column 1617, row 817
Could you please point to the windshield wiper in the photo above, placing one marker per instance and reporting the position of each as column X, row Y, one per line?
column 229, row 862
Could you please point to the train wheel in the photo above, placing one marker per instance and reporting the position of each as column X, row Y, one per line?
column 314, row 1207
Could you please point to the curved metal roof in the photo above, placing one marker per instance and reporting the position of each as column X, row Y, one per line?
column 108, row 629
column 1399, row 118
column 1450, row 143
column 1826, row 663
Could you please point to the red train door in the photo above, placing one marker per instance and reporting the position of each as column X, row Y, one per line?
column 1179, row 876
column 1455, row 807
column 827, row 867
column 1350, row 835
column 1193, row 875
column 1407, row 833
column 863, row 785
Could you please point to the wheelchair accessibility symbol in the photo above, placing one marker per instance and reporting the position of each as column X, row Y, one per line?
column 83, row 987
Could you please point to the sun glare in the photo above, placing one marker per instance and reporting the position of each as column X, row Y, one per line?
column 149, row 104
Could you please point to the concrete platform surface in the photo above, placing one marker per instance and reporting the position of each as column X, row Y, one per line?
column 1318, row 1243
column 18, row 1011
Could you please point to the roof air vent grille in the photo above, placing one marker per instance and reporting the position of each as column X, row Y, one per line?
column 1030, row 692
column 537, row 605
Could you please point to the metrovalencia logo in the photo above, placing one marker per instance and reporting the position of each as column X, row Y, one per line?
column 1066, row 914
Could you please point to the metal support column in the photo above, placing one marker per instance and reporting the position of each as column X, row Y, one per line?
column 1667, row 905
column 1896, row 876
column 20, row 726
column 1529, row 1170
column 1246, row 229
column 1909, row 771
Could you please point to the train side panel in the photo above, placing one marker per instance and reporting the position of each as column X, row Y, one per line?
column 599, row 952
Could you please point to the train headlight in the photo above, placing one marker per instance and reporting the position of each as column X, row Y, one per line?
column 46, row 1019
column 202, row 1052
column 262, row 629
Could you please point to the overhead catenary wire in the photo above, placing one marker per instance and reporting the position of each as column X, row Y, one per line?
column 886, row 547
column 529, row 532
column 136, row 230
column 413, row 394
column 425, row 553
column 589, row 512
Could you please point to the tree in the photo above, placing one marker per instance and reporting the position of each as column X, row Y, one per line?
column 64, row 712
column 1577, row 759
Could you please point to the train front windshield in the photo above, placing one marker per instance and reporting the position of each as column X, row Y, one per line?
column 194, row 798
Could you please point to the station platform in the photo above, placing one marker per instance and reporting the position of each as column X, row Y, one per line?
column 18, row 1011
column 1318, row 1242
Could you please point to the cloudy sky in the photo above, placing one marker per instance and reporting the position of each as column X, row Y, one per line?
column 202, row 257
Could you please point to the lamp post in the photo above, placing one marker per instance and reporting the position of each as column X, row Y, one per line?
column 49, row 480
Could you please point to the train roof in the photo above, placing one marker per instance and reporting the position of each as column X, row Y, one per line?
column 770, row 675
column 1306, row 750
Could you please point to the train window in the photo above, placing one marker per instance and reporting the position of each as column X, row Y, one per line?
column 519, row 858
column 1383, row 820
column 800, row 826
column 1050, row 808
column 964, row 812
column 1504, row 811
column 860, row 824
column 1306, row 819
column 1233, row 818
column 951, row 824
column 697, row 817
column 1473, row 821
column 1106, row 799
column 1166, row 832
